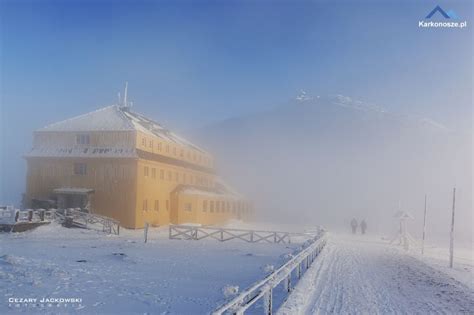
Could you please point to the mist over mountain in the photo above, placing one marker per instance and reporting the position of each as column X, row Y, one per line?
column 324, row 160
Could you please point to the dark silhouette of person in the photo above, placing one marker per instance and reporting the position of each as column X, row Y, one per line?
column 363, row 226
column 354, row 225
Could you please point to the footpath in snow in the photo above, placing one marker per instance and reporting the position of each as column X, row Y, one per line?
column 361, row 275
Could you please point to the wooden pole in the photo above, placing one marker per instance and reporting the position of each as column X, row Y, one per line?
column 146, row 231
column 424, row 231
column 451, row 243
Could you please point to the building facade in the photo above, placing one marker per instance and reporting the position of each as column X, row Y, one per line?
column 123, row 165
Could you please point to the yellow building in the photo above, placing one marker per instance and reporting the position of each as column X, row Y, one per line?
column 123, row 165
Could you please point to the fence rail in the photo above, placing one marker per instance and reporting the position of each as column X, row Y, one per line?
column 78, row 218
column 11, row 215
column 190, row 232
column 263, row 290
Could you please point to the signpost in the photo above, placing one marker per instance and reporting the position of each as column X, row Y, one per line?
column 424, row 231
column 451, row 244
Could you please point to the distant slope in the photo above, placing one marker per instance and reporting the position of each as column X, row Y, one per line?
column 327, row 159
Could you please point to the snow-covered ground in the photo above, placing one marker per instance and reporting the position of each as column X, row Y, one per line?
column 365, row 275
column 122, row 275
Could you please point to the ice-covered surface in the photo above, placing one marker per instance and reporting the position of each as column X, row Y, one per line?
column 121, row 274
column 364, row 275
column 109, row 118
column 116, row 118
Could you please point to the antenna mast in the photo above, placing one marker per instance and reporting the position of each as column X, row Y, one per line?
column 125, row 94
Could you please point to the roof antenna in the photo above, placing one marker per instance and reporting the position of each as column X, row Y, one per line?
column 125, row 95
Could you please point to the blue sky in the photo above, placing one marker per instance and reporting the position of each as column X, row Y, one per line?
column 190, row 63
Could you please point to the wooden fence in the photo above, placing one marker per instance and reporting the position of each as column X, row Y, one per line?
column 263, row 290
column 78, row 218
column 190, row 232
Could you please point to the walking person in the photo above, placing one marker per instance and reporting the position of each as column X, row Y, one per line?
column 363, row 226
column 354, row 225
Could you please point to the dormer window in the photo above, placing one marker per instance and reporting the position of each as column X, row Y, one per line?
column 82, row 139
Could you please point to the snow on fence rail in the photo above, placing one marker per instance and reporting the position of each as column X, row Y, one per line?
column 78, row 218
column 190, row 232
column 263, row 290
column 10, row 215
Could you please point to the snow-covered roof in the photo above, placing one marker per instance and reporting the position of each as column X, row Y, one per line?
column 72, row 190
column 403, row 215
column 203, row 192
column 220, row 190
column 110, row 118
column 117, row 118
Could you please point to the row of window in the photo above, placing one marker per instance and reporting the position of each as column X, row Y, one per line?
column 225, row 206
column 190, row 155
column 80, row 169
column 176, row 176
column 156, row 205
column 82, row 139
column 234, row 207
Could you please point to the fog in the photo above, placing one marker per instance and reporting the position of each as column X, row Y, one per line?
column 325, row 160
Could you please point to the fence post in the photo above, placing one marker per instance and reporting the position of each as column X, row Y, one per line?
column 268, row 302
column 146, row 231
column 299, row 271
column 251, row 237
column 288, row 283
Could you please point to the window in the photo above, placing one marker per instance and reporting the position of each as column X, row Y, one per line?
column 144, row 142
column 188, row 207
column 157, row 205
column 153, row 173
column 82, row 139
column 151, row 143
column 145, row 205
column 176, row 176
column 169, row 175
column 159, row 146
column 80, row 169
column 146, row 171
column 167, row 204
column 204, row 206
column 212, row 206
column 162, row 174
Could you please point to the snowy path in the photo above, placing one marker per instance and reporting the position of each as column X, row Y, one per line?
column 359, row 276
